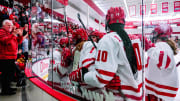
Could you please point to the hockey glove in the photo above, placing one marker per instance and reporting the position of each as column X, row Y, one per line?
column 78, row 75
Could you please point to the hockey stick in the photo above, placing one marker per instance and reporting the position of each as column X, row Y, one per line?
column 178, row 64
column 65, row 21
column 78, row 15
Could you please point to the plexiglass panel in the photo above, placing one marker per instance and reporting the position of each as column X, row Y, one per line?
column 89, row 64
column 41, row 38
column 161, row 47
column 127, row 53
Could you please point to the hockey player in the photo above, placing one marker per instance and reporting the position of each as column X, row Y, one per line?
column 96, row 36
column 161, row 74
column 62, row 65
column 117, row 65
column 84, row 52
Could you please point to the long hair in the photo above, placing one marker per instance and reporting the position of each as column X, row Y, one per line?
column 119, row 28
column 173, row 45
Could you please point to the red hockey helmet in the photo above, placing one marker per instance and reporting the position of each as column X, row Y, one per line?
column 98, row 34
column 162, row 32
column 80, row 34
column 63, row 42
column 95, row 33
column 115, row 15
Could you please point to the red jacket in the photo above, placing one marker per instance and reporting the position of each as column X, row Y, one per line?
column 8, row 45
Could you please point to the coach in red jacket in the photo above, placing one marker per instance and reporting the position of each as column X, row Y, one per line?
column 9, row 41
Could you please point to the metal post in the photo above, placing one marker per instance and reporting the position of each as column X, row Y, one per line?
column 99, row 23
column 52, row 38
column 88, row 16
column 143, row 59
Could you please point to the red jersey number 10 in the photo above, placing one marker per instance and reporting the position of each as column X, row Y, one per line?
column 102, row 56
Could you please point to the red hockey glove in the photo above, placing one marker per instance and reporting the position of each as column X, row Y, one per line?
column 78, row 75
column 115, row 83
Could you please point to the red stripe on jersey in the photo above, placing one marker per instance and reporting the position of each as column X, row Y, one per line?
column 138, row 55
column 117, row 38
column 88, row 65
column 102, row 80
column 123, row 87
column 160, row 93
column 161, row 86
column 160, row 59
column 92, row 49
column 111, row 74
column 147, row 62
column 168, row 62
column 133, row 97
column 87, row 60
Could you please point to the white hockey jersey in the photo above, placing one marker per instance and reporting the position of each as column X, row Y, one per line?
column 86, row 59
column 57, row 73
column 86, row 55
column 161, row 72
column 111, row 62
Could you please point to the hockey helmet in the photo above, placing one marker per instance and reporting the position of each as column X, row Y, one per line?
column 95, row 33
column 98, row 34
column 115, row 15
column 63, row 42
column 162, row 32
column 80, row 35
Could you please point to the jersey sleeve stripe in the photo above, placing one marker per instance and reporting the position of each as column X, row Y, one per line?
column 88, row 65
column 87, row 60
column 92, row 49
column 160, row 93
column 134, row 97
column 110, row 74
column 102, row 80
column 161, row 86
column 117, row 38
column 124, row 87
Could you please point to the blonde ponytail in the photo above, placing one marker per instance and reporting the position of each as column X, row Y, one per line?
column 173, row 45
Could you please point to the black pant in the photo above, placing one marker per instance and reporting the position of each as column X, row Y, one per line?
column 25, row 55
column 7, row 67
